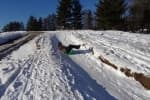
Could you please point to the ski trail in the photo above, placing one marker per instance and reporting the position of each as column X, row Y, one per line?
column 43, row 77
column 27, row 82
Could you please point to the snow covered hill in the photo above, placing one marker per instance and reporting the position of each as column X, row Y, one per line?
column 119, row 68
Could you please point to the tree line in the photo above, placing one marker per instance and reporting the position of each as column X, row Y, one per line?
column 108, row 15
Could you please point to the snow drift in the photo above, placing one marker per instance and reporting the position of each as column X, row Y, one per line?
column 9, row 36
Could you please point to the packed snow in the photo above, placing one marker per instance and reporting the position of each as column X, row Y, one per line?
column 39, row 71
column 9, row 36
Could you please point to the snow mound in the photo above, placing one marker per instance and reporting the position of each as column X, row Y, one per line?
column 9, row 36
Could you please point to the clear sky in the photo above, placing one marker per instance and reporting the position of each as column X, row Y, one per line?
column 20, row 10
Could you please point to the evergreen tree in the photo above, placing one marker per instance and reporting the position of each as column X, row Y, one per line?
column 40, row 24
column 76, row 14
column 90, row 20
column 64, row 14
column 46, row 24
column 13, row 26
column 50, row 22
column 139, row 15
column 87, row 19
column 53, row 23
column 109, row 14
column 32, row 24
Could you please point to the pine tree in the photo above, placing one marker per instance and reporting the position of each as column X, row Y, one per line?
column 40, row 24
column 53, row 23
column 13, row 26
column 109, row 14
column 49, row 22
column 139, row 15
column 76, row 14
column 64, row 14
column 87, row 19
column 32, row 24
column 46, row 24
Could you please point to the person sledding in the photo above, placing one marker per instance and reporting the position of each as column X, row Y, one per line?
column 69, row 49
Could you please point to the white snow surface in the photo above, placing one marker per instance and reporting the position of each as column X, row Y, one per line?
column 9, row 36
column 44, row 73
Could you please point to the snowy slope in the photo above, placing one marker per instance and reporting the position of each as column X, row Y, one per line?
column 9, row 36
column 37, row 71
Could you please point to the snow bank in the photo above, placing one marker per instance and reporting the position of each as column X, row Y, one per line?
column 9, row 36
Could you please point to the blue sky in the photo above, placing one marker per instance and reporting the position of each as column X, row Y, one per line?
column 20, row 10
